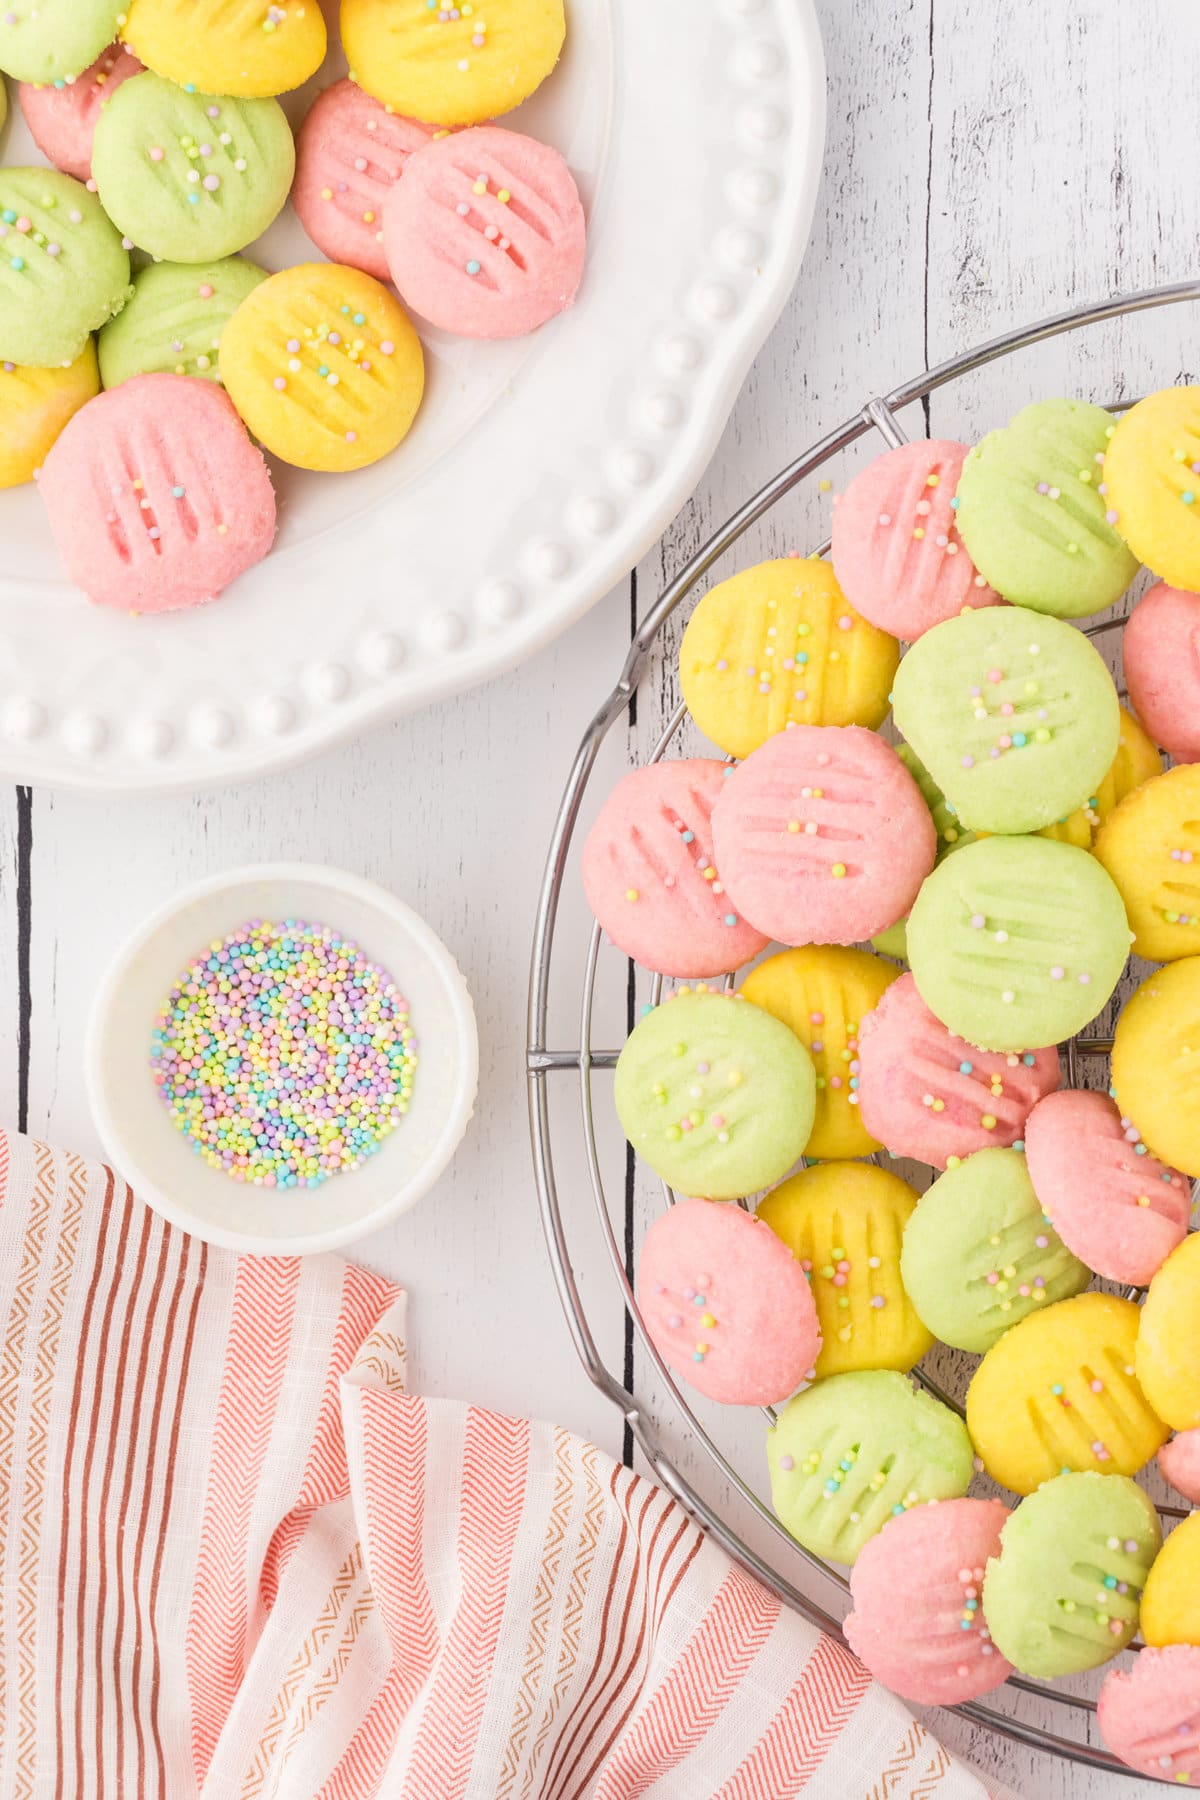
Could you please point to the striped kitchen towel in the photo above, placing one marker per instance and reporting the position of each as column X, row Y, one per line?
column 237, row 1559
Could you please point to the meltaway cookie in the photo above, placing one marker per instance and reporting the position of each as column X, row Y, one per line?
column 1161, row 650
column 1171, row 1601
column 1059, row 1391
column 979, row 1255
column 1167, row 1365
column 1149, row 1714
column 249, row 49
column 485, row 235
column 63, row 268
column 1152, row 474
column 726, row 1305
column 821, row 992
column 35, row 404
column 822, row 836
column 1016, row 720
column 1137, row 761
column 324, row 366
column 62, row 120
column 649, row 875
column 780, row 645
column 1156, row 1064
column 1121, row 1212
column 951, row 833
column 1179, row 1462
column 857, row 1450
column 918, row 1620
column 925, row 1092
column 1063, row 1594
column 715, row 1094
column 55, row 40
column 844, row 1221
column 449, row 64
column 173, row 321
column 157, row 498
column 1034, row 514
column 896, row 547
column 950, row 836
column 350, row 152
column 1017, row 941
column 1150, row 845
column 191, row 177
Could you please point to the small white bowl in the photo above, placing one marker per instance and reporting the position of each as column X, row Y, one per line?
column 136, row 1129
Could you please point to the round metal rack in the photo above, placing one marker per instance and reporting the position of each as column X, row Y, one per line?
column 548, row 1065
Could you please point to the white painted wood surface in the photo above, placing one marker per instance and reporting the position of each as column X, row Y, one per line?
column 988, row 161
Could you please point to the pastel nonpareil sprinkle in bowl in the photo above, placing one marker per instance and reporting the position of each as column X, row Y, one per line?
column 282, row 1059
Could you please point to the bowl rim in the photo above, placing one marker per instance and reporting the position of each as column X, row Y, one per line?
column 462, row 1026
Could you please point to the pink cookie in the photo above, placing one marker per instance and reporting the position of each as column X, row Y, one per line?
column 485, row 234
column 157, row 498
column 649, row 875
column 896, row 548
column 918, row 1622
column 822, row 836
column 1120, row 1213
column 349, row 154
column 61, row 120
column 1161, row 647
column 1149, row 1714
column 1179, row 1461
column 726, row 1304
column 926, row 1093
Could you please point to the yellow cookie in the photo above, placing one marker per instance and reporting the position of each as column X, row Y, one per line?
column 1137, row 761
column 1150, row 845
column 1075, row 829
column 35, row 404
column 324, row 367
column 821, row 993
column 844, row 1221
column 1059, row 1392
column 1156, row 1063
column 1170, row 1609
column 780, row 645
column 452, row 63
column 1168, row 1345
column 245, row 48
column 1152, row 483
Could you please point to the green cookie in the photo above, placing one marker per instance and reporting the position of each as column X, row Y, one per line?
column 855, row 1450
column 950, row 836
column 63, row 271
column 55, row 40
column 1015, row 717
column 1073, row 1561
column 979, row 1253
column 191, row 177
column 1030, row 511
column 715, row 1094
column 1016, row 942
column 174, row 321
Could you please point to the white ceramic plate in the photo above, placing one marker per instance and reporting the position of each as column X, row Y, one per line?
column 135, row 1127
column 538, row 471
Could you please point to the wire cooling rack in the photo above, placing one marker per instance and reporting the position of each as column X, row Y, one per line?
column 581, row 1061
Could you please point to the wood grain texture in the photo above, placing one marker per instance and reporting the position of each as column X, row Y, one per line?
column 988, row 161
